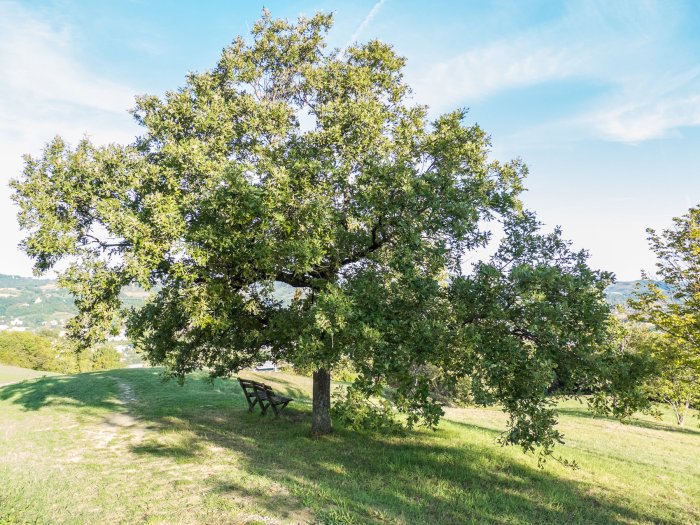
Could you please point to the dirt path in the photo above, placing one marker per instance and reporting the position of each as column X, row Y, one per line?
column 120, row 430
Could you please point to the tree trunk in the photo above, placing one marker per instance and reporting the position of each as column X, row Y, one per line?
column 678, row 412
column 321, row 416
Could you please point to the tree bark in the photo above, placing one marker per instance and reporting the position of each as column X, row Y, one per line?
column 321, row 416
column 678, row 412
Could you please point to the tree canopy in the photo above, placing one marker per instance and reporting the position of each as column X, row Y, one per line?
column 288, row 162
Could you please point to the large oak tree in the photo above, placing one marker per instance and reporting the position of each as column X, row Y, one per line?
column 291, row 163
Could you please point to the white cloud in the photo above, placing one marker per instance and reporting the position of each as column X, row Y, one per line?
column 43, row 67
column 643, row 121
column 652, row 80
column 650, row 108
column 46, row 90
column 503, row 65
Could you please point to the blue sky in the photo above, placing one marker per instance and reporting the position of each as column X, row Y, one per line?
column 601, row 99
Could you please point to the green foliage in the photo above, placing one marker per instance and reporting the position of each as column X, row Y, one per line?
column 534, row 319
column 38, row 352
column 675, row 315
column 677, row 378
column 629, row 367
column 673, row 377
column 445, row 388
column 104, row 358
column 354, row 410
column 27, row 350
column 288, row 163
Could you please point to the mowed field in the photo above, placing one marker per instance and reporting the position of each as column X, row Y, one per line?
column 12, row 374
column 125, row 447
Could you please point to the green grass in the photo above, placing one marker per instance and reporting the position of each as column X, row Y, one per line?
column 13, row 374
column 123, row 447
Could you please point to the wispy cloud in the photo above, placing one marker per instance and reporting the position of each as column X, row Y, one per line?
column 653, row 83
column 363, row 25
column 650, row 108
column 45, row 76
column 47, row 90
column 485, row 71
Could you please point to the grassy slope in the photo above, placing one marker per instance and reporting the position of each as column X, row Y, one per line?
column 121, row 447
column 12, row 374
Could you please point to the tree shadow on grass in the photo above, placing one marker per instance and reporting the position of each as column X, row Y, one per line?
column 346, row 477
column 96, row 390
column 356, row 478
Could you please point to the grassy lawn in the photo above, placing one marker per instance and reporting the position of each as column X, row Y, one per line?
column 123, row 447
column 12, row 374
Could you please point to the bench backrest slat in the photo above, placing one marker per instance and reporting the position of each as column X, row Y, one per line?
column 254, row 386
column 268, row 390
column 248, row 386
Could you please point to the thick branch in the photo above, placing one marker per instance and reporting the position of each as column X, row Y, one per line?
column 103, row 244
column 328, row 272
column 298, row 281
column 525, row 335
column 375, row 244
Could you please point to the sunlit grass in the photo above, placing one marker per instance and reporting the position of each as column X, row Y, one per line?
column 12, row 374
column 123, row 447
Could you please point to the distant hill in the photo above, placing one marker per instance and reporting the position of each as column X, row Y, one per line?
column 36, row 304
column 618, row 293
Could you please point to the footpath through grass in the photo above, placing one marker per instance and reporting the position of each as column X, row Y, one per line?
column 123, row 447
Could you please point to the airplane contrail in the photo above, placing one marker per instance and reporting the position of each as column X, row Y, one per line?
column 370, row 16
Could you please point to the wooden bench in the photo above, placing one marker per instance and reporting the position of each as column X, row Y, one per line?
column 262, row 394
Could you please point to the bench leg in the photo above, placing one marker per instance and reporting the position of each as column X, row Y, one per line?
column 280, row 405
column 251, row 405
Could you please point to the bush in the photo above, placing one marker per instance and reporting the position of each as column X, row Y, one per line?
column 27, row 350
column 353, row 410
column 38, row 352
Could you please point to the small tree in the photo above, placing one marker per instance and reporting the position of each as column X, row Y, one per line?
column 675, row 315
column 288, row 163
column 676, row 380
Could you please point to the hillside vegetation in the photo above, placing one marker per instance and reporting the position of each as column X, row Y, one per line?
column 41, row 352
column 41, row 303
column 619, row 292
column 123, row 447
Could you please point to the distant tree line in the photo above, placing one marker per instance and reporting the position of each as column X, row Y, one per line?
column 48, row 353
